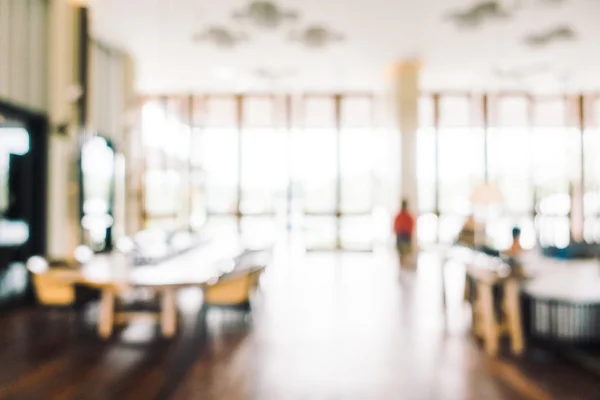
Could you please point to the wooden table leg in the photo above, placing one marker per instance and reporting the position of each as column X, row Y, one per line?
column 106, row 315
column 513, row 315
column 168, row 313
column 488, row 318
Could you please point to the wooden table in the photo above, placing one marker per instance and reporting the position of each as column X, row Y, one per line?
column 485, row 323
column 488, row 272
column 113, row 274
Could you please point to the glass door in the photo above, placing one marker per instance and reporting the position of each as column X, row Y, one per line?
column 264, row 172
column 358, row 145
column 333, row 172
column 509, row 153
column 315, row 175
column 555, row 165
column 98, row 193
column 591, row 138
column 461, row 164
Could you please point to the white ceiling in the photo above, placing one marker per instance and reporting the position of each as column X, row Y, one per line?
column 158, row 33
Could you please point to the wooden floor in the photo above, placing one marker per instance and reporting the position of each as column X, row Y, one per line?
column 325, row 327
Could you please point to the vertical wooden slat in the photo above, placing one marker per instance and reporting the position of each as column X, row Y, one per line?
column 288, row 128
column 37, row 54
column 338, row 160
column 83, row 68
column 485, row 112
column 436, row 127
column 113, row 95
column 582, row 125
column 239, row 99
column 190, row 168
column 96, row 87
column 5, row 37
column 16, row 55
column 530, row 119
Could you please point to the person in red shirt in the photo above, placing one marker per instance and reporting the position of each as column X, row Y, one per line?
column 404, row 226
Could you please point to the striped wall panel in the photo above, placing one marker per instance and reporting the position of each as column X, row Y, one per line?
column 108, row 91
column 23, row 53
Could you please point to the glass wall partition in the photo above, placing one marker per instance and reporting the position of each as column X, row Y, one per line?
column 556, row 164
column 591, row 165
column 530, row 147
column 319, row 165
column 359, row 145
column 248, row 165
column 166, row 139
column 215, row 164
column 427, row 169
column 510, row 167
column 461, row 161
column 315, row 163
column 264, row 171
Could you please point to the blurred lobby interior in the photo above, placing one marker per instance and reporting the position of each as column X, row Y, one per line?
column 197, row 199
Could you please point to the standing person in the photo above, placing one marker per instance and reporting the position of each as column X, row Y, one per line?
column 515, row 248
column 404, row 226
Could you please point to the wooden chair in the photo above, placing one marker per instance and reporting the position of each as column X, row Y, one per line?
column 234, row 289
column 50, row 290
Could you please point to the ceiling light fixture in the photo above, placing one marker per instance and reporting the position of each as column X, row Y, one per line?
column 265, row 14
column 479, row 13
column 559, row 33
column 316, row 36
column 220, row 37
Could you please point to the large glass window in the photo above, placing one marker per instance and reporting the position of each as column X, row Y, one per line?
column 315, row 158
column 427, row 175
column 318, row 165
column 591, row 138
column 509, row 155
column 166, row 138
column 509, row 150
column 264, row 158
column 219, row 152
column 555, row 166
column 461, row 164
column 358, row 142
column 98, row 172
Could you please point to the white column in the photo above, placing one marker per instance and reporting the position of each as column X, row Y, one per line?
column 63, row 185
column 405, row 108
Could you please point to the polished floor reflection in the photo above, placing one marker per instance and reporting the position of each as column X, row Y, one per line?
column 347, row 326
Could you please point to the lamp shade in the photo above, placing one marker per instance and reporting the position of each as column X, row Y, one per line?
column 486, row 194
